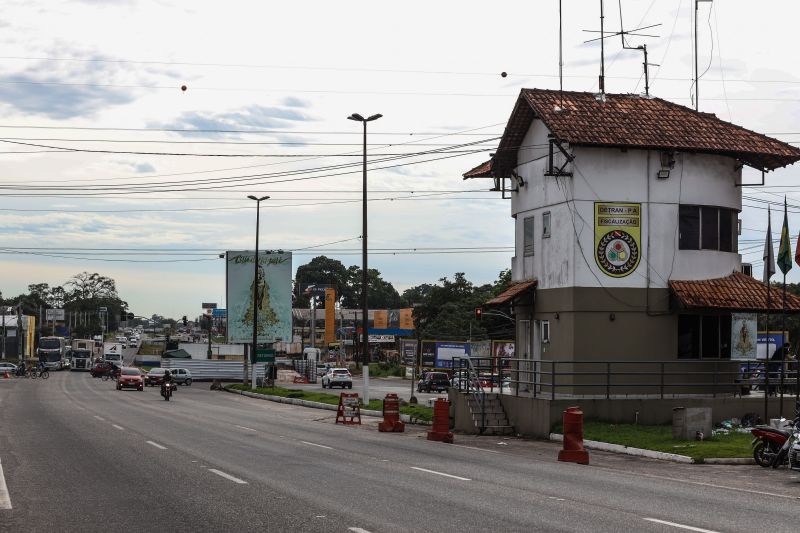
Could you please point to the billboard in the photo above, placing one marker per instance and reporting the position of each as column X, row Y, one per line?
column 445, row 351
column 271, row 292
column 380, row 319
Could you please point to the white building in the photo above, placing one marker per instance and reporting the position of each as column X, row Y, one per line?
column 626, row 212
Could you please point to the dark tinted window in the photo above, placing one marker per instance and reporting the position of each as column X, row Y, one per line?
column 727, row 230
column 709, row 222
column 688, row 336
column 710, row 336
column 689, row 228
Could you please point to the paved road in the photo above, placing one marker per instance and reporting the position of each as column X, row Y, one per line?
column 378, row 388
column 80, row 456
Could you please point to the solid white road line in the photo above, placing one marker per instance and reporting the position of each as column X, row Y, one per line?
column 118, row 427
column 317, row 445
column 228, row 476
column 100, row 418
column 357, row 530
column 440, row 473
column 5, row 498
column 246, row 428
column 681, row 526
column 160, row 447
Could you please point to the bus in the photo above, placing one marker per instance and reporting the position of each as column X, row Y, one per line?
column 54, row 352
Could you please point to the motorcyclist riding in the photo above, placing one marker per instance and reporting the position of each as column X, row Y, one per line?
column 167, row 382
column 22, row 369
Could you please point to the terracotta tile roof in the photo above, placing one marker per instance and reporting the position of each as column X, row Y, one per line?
column 484, row 170
column 632, row 121
column 737, row 292
column 514, row 291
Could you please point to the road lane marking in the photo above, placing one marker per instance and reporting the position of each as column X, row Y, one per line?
column 5, row 497
column 246, row 428
column 357, row 530
column 476, row 448
column 317, row 445
column 681, row 526
column 118, row 427
column 157, row 445
column 100, row 418
column 228, row 476
column 440, row 473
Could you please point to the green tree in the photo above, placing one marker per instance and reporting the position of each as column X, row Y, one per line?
column 325, row 271
column 380, row 293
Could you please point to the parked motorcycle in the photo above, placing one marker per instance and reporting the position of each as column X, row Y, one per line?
column 767, row 443
column 791, row 448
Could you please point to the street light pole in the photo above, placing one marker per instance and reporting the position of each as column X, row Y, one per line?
column 364, row 272
column 255, row 295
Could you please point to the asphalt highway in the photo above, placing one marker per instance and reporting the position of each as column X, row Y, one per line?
column 77, row 455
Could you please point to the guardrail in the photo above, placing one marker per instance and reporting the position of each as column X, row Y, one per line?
column 209, row 369
column 612, row 378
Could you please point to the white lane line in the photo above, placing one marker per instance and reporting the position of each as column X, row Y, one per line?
column 317, row 445
column 118, row 427
column 228, row 476
column 246, row 428
column 5, row 497
column 681, row 526
column 157, row 445
column 357, row 530
column 100, row 418
column 475, row 448
column 440, row 473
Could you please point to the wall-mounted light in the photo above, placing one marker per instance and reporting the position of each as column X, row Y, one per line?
column 663, row 174
column 612, row 317
column 557, row 317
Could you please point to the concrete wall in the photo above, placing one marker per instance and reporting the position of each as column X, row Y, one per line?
column 535, row 417
column 231, row 352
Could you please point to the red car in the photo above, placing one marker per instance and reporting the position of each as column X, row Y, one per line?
column 100, row 368
column 130, row 378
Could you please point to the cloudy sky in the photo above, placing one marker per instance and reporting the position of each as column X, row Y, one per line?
column 109, row 166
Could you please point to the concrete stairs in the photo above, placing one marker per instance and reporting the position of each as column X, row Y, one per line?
column 494, row 420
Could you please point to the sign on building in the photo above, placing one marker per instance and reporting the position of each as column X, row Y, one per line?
column 617, row 237
column 744, row 335
column 270, row 291
column 207, row 305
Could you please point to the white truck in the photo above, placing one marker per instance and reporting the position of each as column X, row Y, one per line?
column 82, row 350
column 112, row 352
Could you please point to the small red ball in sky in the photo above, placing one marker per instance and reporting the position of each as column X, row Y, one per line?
column 183, row 88
column 504, row 74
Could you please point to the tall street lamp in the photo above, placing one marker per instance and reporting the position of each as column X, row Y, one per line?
column 364, row 277
column 255, row 295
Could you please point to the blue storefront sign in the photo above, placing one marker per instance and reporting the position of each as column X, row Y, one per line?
column 776, row 339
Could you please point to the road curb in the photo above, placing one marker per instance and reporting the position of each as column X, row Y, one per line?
column 317, row 405
column 674, row 457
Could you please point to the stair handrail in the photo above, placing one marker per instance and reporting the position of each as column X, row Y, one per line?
column 477, row 391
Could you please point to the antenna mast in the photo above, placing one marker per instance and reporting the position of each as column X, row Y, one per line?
column 696, row 71
column 560, row 57
column 602, row 83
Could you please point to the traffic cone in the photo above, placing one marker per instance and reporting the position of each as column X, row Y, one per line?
column 5, row 374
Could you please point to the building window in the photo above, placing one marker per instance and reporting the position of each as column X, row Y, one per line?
column 527, row 229
column 546, row 224
column 545, row 331
column 704, row 336
column 707, row 228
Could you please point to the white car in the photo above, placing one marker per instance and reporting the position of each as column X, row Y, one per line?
column 337, row 377
column 10, row 367
column 181, row 376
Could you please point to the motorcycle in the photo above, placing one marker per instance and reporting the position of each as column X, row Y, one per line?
column 767, row 443
column 168, row 389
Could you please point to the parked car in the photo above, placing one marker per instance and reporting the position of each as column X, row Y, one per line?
column 433, row 381
column 130, row 378
column 10, row 367
column 181, row 376
column 100, row 368
column 337, row 377
column 154, row 377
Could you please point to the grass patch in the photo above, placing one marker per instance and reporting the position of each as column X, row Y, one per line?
column 417, row 412
column 659, row 438
column 384, row 370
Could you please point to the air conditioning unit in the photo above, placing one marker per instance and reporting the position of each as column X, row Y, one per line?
column 747, row 268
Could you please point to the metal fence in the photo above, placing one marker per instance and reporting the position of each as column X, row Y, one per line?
column 208, row 369
column 618, row 378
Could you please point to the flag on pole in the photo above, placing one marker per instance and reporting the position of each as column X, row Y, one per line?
column 769, row 253
column 784, row 250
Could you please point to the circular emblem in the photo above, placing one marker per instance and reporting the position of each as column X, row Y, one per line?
column 618, row 253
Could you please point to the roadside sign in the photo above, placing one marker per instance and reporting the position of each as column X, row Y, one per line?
column 54, row 314
column 209, row 305
column 265, row 355
column 219, row 313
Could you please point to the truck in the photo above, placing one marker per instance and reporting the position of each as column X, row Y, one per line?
column 113, row 353
column 53, row 351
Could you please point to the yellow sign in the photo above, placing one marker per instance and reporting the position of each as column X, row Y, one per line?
column 380, row 319
column 330, row 315
column 617, row 237
column 407, row 318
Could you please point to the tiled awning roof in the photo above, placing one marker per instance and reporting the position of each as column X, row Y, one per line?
column 513, row 292
column 633, row 121
column 737, row 292
column 484, row 170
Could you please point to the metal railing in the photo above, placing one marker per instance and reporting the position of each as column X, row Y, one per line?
column 468, row 376
column 620, row 378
